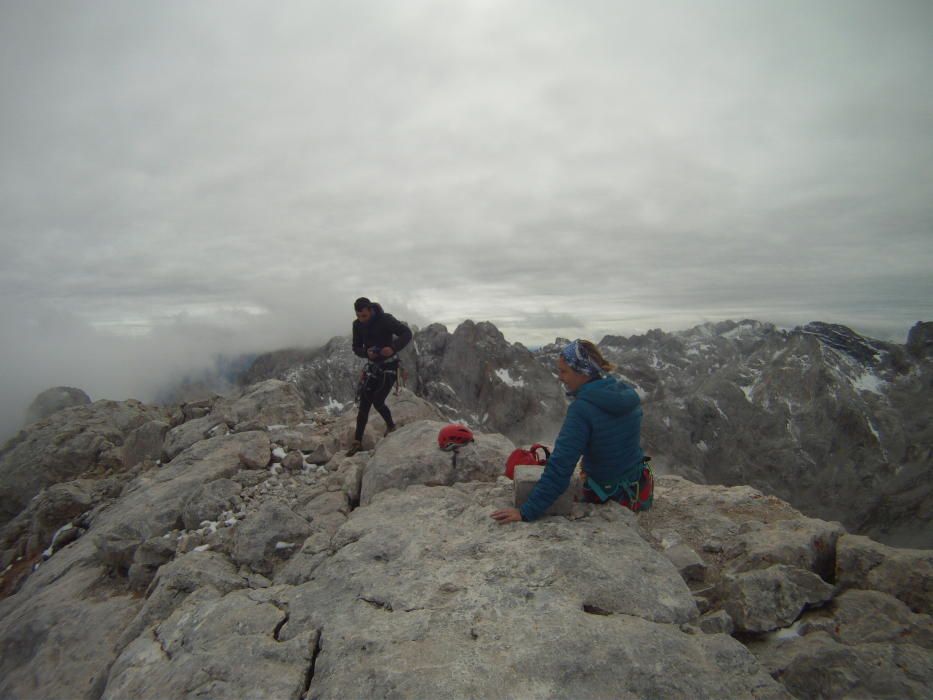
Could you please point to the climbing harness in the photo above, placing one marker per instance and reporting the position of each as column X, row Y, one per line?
column 374, row 377
column 636, row 495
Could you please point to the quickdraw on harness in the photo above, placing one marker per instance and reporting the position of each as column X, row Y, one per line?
column 636, row 495
column 375, row 375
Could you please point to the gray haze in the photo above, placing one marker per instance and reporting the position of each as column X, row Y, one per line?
column 179, row 179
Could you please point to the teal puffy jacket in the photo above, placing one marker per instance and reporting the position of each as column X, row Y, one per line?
column 603, row 424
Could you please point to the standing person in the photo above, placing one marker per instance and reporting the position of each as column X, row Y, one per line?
column 377, row 337
column 603, row 424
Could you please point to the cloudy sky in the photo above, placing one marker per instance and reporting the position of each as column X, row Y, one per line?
column 184, row 178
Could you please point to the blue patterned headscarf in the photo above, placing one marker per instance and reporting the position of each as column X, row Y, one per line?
column 575, row 355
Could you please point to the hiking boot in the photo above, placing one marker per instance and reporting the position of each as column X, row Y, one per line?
column 389, row 429
column 355, row 447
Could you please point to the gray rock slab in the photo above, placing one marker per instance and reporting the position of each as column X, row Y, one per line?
column 907, row 574
column 270, row 535
column 582, row 608
column 145, row 443
column 860, row 617
column 768, row 599
column 182, row 437
column 152, row 505
column 147, row 559
column 690, row 565
column 818, row 666
column 411, row 456
column 272, row 402
column 67, row 445
column 178, row 579
column 215, row 646
column 294, row 461
column 717, row 622
column 209, row 501
column 806, row 543
column 60, row 642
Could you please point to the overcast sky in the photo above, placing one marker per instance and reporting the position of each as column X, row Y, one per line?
column 183, row 178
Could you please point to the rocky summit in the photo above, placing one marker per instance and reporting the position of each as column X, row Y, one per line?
column 229, row 548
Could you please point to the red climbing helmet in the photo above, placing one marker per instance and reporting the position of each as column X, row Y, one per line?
column 453, row 436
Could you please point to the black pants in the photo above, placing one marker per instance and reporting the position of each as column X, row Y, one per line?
column 374, row 393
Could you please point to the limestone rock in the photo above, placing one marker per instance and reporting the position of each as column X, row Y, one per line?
column 293, row 461
column 717, row 622
column 410, row 455
column 198, row 409
column 55, row 399
column 806, row 543
column 907, row 574
column 920, row 340
column 350, row 471
column 178, row 579
column 325, row 376
column 728, row 528
column 66, row 445
column 58, row 640
column 767, row 599
column 209, row 501
column 271, row 402
column 270, row 535
column 474, row 374
column 145, row 443
column 210, row 647
column 591, row 593
column 250, row 477
column 322, row 452
column 185, row 435
column 868, row 617
column 689, row 564
column 818, row 666
column 301, row 567
column 153, row 504
column 304, row 436
column 147, row 559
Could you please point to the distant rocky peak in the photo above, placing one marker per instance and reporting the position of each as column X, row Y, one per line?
column 845, row 340
column 920, row 340
column 53, row 400
column 483, row 333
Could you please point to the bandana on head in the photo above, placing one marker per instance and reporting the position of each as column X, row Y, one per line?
column 575, row 356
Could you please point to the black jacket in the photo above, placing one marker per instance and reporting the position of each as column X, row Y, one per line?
column 380, row 331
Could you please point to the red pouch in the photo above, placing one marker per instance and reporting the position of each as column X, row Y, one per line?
column 522, row 457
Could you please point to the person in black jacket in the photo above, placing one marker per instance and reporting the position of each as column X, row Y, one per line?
column 377, row 337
